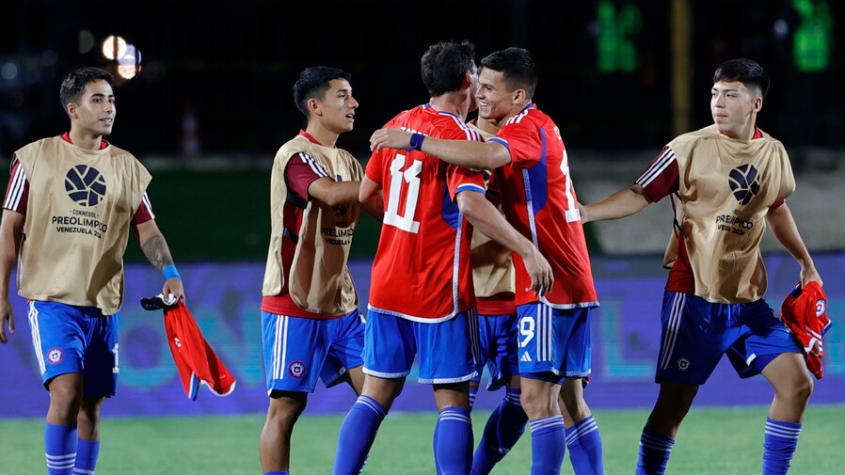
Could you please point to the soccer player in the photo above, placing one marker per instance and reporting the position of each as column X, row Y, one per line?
column 532, row 167
column 731, row 179
column 493, row 281
column 421, row 298
column 70, row 205
column 310, row 321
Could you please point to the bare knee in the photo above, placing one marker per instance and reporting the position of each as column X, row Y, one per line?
column 285, row 409
column 799, row 389
column 538, row 403
column 88, row 420
column 65, row 399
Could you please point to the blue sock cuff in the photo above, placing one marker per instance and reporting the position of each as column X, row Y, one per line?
column 656, row 441
column 581, row 429
column 787, row 430
column 276, row 473
column 455, row 413
column 371, row 404
column 546, row 424
column 512, row 396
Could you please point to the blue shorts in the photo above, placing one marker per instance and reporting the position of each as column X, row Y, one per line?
column 448, row 350
column 72, row 339
column 553, row 343
column 498, row 349
column 696, row 333
column 298, row 350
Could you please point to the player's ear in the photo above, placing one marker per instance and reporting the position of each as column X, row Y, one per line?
column 467, row 81
column 314, row 106
column 518, row 96
column 70, row 107
column 758, row 103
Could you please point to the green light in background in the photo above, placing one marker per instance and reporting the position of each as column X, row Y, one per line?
column 812, row 39
column 616, row 49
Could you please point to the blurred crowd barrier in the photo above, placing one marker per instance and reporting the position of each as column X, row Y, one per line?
column 225, row 299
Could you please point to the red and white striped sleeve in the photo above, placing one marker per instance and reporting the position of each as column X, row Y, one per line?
column 144, row 212
column 17, row 191
column 661, row 177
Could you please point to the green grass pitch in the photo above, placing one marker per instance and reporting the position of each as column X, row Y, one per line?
column 719, row 441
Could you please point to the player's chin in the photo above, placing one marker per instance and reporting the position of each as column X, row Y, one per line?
column 105, row 130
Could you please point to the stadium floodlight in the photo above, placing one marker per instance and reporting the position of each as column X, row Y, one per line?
column 129, row 65
column 114, row 47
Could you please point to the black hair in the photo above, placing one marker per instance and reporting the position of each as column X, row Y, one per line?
column 444, row 64
column 517, row 67
column 746, row 71
column 313, row 83
column 75, row 82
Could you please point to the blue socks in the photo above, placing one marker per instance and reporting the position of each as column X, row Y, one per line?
column 87, row 452
column 585, row 451
column 504, row 427
column 779, row 443
column 285, row 472
column 60, row 448
column 453, row 441
column 357, row 433
column 547, row 445
column 654, row 453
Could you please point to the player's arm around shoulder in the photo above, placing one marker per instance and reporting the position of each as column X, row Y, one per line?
column 11, row 231
column 464, row 153
column 155, row 249
column 785, row 230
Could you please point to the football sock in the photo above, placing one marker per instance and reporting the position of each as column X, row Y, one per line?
column 585, row 451
column 285, row 472
column 60, row 448
column 357, row 433
column 87, row 452
column 473, row 391
column 654, row 453
column 453, row 442
column 504, row 427
column 547, row 445
column 779, row 443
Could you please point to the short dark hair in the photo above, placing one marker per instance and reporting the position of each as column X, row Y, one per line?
column 517, row 67
column 313, row 83
column 746, row 71
column 76, row 80
column 444, row 64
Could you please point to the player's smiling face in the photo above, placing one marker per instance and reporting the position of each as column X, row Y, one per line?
column 495, row 99
column 733, row 107
column 95, row 110
column 336, row 111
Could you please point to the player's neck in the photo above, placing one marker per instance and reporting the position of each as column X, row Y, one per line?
column 326, row 137
column 452, row 102
column 84, row 139
column 516, row 108
column 746, row 132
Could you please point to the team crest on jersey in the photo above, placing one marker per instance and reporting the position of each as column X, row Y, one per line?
column 296, row 369
column 55, row 355
column 85, row 185
column 820, row 308
column 744, row 182
column 177, row 342
column 683, row 364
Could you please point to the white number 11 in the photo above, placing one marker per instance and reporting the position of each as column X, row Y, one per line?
column 412, row 177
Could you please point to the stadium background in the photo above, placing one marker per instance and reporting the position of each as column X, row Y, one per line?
column 210, row 103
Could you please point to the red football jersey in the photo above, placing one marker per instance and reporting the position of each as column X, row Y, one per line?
column 422, row 266
column 540, row 202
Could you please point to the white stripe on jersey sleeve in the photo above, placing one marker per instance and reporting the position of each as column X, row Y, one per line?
column 16, row 188
column 316, row 167
column 657, row 167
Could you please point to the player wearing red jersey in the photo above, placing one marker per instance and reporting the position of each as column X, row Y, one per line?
column 421, row 298
column 532, row 168
column 731, row 180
